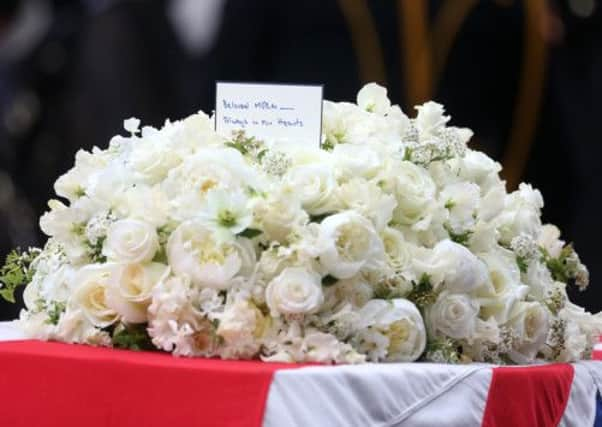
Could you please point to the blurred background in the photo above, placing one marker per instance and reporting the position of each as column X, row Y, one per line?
column 526, row 76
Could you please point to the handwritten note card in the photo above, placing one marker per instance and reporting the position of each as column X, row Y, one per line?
column 270, row 111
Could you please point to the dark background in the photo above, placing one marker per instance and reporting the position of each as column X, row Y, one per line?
column 526, row 76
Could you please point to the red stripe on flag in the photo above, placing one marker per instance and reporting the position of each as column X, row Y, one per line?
column 52, row 384
column 534, row 396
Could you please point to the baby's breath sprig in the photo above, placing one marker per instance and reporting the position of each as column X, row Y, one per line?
column 443, row 350
column 247, row 145
column 423, row 293
column 566, row 267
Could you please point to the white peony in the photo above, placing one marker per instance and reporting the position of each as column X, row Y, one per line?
column 279, row 215
column 195, row 251
column 131, row 240
column 294, row 291
column 351, row 244
column 90, row 294
column 395, row 326
column 239, row 325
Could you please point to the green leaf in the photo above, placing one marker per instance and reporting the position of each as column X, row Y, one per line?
column 132, row 337
column 16, row 272
column 329, row 280
column 319, row 218
column 460, row 238
column 250, row 233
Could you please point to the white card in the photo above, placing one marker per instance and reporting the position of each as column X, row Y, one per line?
column 270, row 111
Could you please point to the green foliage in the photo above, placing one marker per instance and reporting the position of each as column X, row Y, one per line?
column 319, row 218
column 55, row 309
column 250, row 233
column 460, row 238
column 443, row 350
column 247, row 145
column 132, row 337
column 522, row 264
column 16, row 272
column 329, row 280
column 563, row 267
column 423, row 294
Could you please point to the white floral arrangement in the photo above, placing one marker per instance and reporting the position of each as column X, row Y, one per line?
column 392, row 242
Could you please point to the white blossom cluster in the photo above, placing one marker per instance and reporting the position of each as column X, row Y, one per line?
column 391, row 242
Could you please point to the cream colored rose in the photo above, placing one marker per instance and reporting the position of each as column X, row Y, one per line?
column 313, row 185
column 294, row 291
column 131, row 241
column 129, row 289
column 351, row 244
column 530, row 322
column 90, row 294
column 454, row 315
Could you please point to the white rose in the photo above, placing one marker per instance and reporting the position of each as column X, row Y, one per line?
column 430, row 119
column 479, row 168
column 279, row 215
column 462, row 202
column 74, row 327
column 131, row 240
column 530, row 322
column 454, row 315
column 90, row 294
column 193, row 250
column 454, row 265
column 413, row 188
column 373, row 98
column 314, row 186
column 367, row 199
column 352, row 244
column 521, row 214
column 504, row 287
column 351, row 160
column 294, row 291
column 400, row 323
column 130, row 287
column 399, row 253
column 153, row 156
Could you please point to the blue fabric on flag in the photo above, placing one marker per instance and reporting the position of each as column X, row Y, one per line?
column 598, row 419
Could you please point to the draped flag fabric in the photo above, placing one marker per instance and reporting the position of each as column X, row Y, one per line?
column 52, row 384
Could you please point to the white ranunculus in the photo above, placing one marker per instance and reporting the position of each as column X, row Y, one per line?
column 352, row 244
column 454, row 315
column 413, row 188
column 294, row 291
column 455, row 266
column 195, row 251
column 90, row 294
column 530, row 322
column 399, row 326
column 129, row 289
column 314, row 185
column 131, row 240
column 373, row 98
